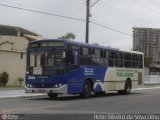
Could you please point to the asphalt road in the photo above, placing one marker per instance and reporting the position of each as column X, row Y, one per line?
column 41, row 107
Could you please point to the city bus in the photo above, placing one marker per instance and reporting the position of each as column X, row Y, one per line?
column 67, row 67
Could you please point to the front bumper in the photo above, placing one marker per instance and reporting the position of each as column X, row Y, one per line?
column 62, row 89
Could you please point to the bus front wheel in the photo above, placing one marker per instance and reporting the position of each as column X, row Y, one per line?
column 86, row 90
column 52, row 95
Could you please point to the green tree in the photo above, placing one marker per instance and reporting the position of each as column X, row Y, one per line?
column 147, row 61
column 4, row 77
column 68, row 36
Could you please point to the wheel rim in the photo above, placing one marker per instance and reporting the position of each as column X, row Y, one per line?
column 128, row 89
column 87, row 90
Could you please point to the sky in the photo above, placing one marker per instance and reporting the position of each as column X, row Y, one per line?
column 120, row 15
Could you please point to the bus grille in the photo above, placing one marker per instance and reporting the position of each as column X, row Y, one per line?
column 43, row 85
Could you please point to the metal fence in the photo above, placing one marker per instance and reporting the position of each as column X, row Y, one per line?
column 155, row 73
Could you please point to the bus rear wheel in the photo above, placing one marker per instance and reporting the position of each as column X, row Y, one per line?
column 127, row 88
column 52, row 95
column 86, row 90
column 100, row 93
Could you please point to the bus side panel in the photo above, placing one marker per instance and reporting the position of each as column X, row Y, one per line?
column 75, row 83
column 99, row 74
column 115, row 78
column 76, row 79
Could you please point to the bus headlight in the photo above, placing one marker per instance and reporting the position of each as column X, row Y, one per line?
column 30, row 86
column 56, row 86
column 27, row 85
column 60, row 84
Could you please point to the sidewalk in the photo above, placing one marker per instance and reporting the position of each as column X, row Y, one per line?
column 14, row 93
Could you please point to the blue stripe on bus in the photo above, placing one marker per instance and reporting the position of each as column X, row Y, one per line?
column 75, row 79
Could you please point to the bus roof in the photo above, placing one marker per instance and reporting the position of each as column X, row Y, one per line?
column 77, row 43
column 136, row 52
column 86, row 45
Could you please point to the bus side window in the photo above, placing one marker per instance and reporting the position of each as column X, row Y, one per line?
column 85, row 56
column 118, row 59
column 102, row 57
column 73, row 59
column 105, row 57
column 97, row 56
column 140, row 61
column 127, row 60
column 134, row 61
column 137, row 61
column 111, row 58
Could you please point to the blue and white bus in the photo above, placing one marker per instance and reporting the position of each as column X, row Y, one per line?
column 68, row 67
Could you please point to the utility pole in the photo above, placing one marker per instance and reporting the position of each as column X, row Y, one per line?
column 87, row 17
column 87, row 20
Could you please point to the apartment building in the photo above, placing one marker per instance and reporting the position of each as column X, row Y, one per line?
column 147, row 40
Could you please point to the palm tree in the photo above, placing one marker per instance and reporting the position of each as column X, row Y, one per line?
column 68, row 36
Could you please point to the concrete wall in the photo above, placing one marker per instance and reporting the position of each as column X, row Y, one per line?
column 152, row 79
column 11, row 62
column 19, row 43
column 146, row 72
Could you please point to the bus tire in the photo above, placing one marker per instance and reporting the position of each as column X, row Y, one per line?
column 52, row 95
column 127, row 88
column 100, row 93
column 120, row 92
column 86, row 90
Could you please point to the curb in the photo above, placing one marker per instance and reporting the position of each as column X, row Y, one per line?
column 151, row 88
column 6, row 89
column 21, row 96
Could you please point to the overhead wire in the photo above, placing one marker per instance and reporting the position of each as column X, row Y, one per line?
column 110, row 28
column 63, row 16
column 41, row 12
column 116, row 14
column 126, row 13
column 145, row 6
column 40, row 8
column 153, row 3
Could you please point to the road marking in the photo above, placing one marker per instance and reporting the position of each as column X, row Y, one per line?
column 150, row 95
column 29, row 109
column 152, row 88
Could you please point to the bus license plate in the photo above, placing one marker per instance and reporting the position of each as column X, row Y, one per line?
column 42, row 91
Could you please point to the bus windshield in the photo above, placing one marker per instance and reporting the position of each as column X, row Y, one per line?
column 46, row 62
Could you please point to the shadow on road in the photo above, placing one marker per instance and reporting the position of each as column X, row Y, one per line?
column 77, row 97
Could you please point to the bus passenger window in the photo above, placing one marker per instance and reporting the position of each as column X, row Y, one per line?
column 73, row 59
column 137, row 61
column 127, row 60
column 105, row 57
column 118, row 59
column 86, row 58
column 111, row 58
